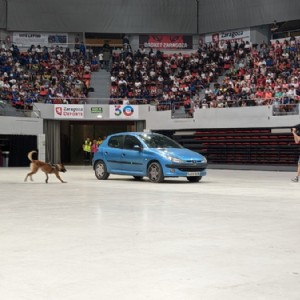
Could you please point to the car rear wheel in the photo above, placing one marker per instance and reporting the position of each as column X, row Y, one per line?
column 101, row 170
column 194, row 178
column 138, row 178
column 155, row 173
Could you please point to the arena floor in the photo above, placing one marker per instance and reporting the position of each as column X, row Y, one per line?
column 235, row 235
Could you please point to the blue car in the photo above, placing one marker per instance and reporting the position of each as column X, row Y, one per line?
column 141, row 154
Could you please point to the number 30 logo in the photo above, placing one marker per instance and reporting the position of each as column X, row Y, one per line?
column 126, row 110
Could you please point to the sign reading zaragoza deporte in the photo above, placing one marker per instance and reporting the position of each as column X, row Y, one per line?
column 68, row 111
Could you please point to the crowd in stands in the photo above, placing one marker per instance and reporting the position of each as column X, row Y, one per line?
column 216, row 75
column 162, row 79
column 42, row 74
column 251, row 75
column 264, row 75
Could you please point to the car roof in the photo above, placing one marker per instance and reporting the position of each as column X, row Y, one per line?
column 133, row 133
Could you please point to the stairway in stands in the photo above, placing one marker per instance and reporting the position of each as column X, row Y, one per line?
column 100, row 82
column 6, row 109
column 180, row 112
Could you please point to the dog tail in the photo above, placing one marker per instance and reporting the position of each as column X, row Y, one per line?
column 30, row 155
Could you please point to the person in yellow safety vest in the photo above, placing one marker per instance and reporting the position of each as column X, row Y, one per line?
column 87, row 148
column 99, row 141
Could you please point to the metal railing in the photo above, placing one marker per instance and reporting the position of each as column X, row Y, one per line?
column 178, row 109
column 285, row 109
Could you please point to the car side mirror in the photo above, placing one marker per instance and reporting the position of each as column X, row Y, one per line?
column 137, row 147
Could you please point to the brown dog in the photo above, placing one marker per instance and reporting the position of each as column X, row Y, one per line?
column 45, row 167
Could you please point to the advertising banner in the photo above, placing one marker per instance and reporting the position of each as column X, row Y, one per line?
column 166, row 41
column 124, row 112
column 96, row 110
column 232, row 36
column 43, row 39
column 68, row 111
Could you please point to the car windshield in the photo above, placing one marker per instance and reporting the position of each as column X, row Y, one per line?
column 158, row 141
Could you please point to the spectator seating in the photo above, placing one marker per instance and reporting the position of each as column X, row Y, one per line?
column 242, row 146
column 227, row 75
column 53, row 75
column 259, row 75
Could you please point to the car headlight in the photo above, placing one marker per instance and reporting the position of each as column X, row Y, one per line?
column 174, row 159
column 204, row 160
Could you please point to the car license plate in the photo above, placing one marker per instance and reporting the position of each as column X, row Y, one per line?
column 193, row 174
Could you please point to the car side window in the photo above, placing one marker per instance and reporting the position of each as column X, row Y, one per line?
column 130, row 142
column 115, row 141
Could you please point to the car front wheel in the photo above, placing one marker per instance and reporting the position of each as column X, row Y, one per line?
column 101, row 171
column 194, row 178
column 155, row 173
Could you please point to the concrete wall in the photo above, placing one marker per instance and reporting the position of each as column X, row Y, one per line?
column 22, row 126
column 260, row 34
column 238, row 117
column 244, row 117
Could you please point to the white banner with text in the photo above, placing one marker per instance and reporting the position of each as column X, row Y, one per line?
column 35, row 38
column 232, row 36
column 68, row 111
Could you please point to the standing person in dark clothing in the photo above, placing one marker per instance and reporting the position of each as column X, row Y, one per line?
column 295, row 133
column 106, row 59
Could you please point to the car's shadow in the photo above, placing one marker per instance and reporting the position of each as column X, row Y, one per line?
column 146, row 180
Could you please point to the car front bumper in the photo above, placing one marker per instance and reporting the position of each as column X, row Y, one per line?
column 185, row 169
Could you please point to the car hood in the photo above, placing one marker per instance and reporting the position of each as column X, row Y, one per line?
column 184, row 154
